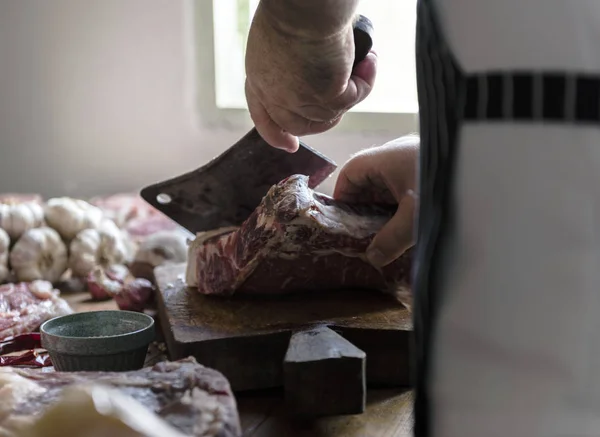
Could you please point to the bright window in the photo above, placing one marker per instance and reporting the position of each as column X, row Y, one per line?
column 394, row 40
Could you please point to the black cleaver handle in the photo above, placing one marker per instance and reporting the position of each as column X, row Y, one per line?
column 363, row 38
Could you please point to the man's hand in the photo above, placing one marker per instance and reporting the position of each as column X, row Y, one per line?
column 299, row 70
column 385, row 174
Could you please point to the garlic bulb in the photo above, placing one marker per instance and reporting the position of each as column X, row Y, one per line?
column 4, row 248
column 162, row 247
column 102, row 247
column 39, row 254
column 71, row 216
column 17, row 217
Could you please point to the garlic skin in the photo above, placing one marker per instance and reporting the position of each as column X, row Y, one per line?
column 102, row 247
column 162, row 247
column 39, row 254
column 71, row 216
column 102, row 285
column 4, row 250
column 17, row 217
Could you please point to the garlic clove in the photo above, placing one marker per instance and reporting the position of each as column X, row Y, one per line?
column 4, row 251
column 101, row 247
column 18, row 217
column 161, row 248
column 117, row 272
column 71, row 216
column 42, row 289
column 101, row 286
column 39, row 254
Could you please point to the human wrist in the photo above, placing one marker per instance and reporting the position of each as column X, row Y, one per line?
column 309, row 19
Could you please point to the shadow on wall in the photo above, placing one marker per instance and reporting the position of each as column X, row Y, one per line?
column 94, row 99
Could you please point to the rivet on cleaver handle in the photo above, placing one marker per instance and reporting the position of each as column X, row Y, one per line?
column 228, row 189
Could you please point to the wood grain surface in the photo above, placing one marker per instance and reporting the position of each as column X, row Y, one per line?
column 246, row 337
column 263, row 414
column 388, row 414
column 324, row 374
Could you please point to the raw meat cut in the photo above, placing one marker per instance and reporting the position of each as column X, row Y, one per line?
column 20, row 198
column 296, row 240
column 122, row 208
column 134, row 214
column 144, row 226
column 195, row 400
column 24, row 306
column 24, row 350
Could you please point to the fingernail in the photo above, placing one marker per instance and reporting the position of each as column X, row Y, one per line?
column 286, row 147
column 376, row 257
column 412, row 194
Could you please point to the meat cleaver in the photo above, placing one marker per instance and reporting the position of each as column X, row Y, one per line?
column 226, row 190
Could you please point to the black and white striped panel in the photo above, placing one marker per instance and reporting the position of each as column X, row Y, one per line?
column 550, row 97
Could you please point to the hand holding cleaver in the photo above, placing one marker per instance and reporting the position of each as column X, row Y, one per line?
column 226, row 190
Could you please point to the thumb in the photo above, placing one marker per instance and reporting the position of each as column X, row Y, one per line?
column 360, row 84
column 395, row 237
column 366, row 70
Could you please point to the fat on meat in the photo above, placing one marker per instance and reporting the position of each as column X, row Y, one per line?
column 24, row 306
column 192, row 398
column 296, row 240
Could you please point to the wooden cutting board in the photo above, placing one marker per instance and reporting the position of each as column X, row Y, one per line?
column 322, row 348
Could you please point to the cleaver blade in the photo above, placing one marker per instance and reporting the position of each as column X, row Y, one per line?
column 226, row 190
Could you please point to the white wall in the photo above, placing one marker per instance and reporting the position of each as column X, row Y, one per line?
column 93, row 98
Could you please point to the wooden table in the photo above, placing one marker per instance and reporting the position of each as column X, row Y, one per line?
column 388, row 414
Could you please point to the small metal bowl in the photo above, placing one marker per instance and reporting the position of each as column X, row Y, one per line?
column 98, row 340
